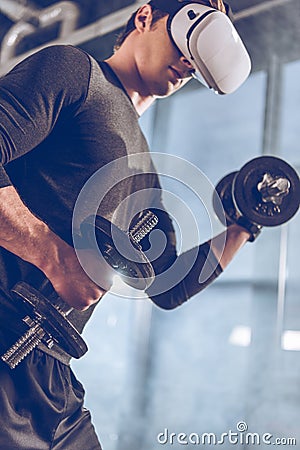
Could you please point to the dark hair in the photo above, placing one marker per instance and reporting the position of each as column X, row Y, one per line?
column 158, row 14
column 130, row 26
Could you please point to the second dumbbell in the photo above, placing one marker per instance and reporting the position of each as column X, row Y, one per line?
column 265, row 192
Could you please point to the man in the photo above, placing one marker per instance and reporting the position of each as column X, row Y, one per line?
column 64, row 116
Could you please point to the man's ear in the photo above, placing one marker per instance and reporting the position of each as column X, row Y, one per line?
column 143, row 18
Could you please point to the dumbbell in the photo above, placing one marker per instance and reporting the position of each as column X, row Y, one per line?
column 45, row 314
column 264, row 192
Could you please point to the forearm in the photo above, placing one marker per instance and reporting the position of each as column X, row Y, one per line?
column 24, row 234
column 227, row 244
column 196, row 269
column 192, row 272
column 32, row 240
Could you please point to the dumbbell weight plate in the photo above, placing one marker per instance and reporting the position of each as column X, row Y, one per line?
column 247, row 196
column 126, row 258
column 222, row 199
column 37, row 306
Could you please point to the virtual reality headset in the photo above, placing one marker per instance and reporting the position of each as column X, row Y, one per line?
column 209, row 41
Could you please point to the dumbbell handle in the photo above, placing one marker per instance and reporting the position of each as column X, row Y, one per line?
column 36, row 333
column 24, row 345
column 47, row 323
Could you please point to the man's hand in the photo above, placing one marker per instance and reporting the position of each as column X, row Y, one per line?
column 69, row 279
column 71, row 282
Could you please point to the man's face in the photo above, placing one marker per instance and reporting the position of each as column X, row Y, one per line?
column 162, row 68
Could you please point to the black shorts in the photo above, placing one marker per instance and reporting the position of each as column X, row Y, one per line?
column 42, row 408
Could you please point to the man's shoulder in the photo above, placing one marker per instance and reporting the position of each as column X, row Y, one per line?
column 62, row 52
column 59, row 64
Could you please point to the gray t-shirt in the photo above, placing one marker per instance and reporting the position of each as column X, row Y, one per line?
column 64, row 117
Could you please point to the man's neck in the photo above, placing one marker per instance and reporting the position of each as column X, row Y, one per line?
column 129, row 77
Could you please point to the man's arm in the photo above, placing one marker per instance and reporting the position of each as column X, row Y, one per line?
column 234, row 238
column 180, row 277
column 32, row 97
column 32, row 240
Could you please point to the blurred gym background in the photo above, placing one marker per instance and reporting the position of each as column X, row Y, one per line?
column 231, row 354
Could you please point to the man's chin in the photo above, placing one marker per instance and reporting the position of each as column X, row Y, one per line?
column 167, row 90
